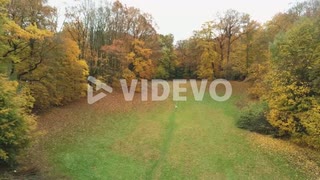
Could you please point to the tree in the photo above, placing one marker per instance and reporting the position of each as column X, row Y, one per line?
column 187, row 56
column 139, row 60
column 280, row 23
column 34, row 12
column 207, row 56
column 293, row 96
column 167, row 63
column 229, row 29
column 249, row 29
column 29, row 25
column 100, row 29
column 310, row 8
column 205, row 69
column 16, row 123
column 62, row 77
column 3, row 46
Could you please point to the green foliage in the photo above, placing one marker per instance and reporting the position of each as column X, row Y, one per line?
column 162, row 73
column 253, row 119
column 16, row 124
column 167, row 63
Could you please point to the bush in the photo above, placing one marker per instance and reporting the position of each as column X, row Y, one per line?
column 16, row 125
column 253, row 119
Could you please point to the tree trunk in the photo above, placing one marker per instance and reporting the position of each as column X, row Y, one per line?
column 229, row 50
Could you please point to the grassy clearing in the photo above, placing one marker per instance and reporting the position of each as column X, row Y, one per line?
column 118, row 140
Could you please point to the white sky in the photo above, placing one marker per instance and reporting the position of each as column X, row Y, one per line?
column 181, row 18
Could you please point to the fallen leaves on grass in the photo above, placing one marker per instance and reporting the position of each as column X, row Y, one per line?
column 306, row 159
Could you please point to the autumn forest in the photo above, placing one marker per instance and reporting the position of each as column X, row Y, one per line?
column 274, row 68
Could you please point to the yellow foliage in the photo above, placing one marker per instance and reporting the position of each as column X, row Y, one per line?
column 311, row 121
column 143, row 68
column 128, row 75
column 16, row 123
column 38, row 34
column 286, row 100
column 62, row 78
column 258, row 77
column 292, row 95
column 14, row 31
column 140, row 58
column 208, row 57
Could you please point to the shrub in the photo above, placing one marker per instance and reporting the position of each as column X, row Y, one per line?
column 16, row 125
column 253, row 119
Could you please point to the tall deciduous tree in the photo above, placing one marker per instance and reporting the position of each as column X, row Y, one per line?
column 229, row 29
column 166, row 65
column 207, row 58
column 29, row 25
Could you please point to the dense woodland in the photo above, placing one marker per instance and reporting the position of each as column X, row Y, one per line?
column 42, row 66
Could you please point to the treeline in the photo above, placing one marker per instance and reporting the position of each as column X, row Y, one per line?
column 119, row 42
column 122, row 42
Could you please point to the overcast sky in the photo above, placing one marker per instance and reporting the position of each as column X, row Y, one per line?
column 182, row 17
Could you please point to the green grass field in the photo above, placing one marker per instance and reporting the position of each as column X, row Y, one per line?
column 197, row 140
